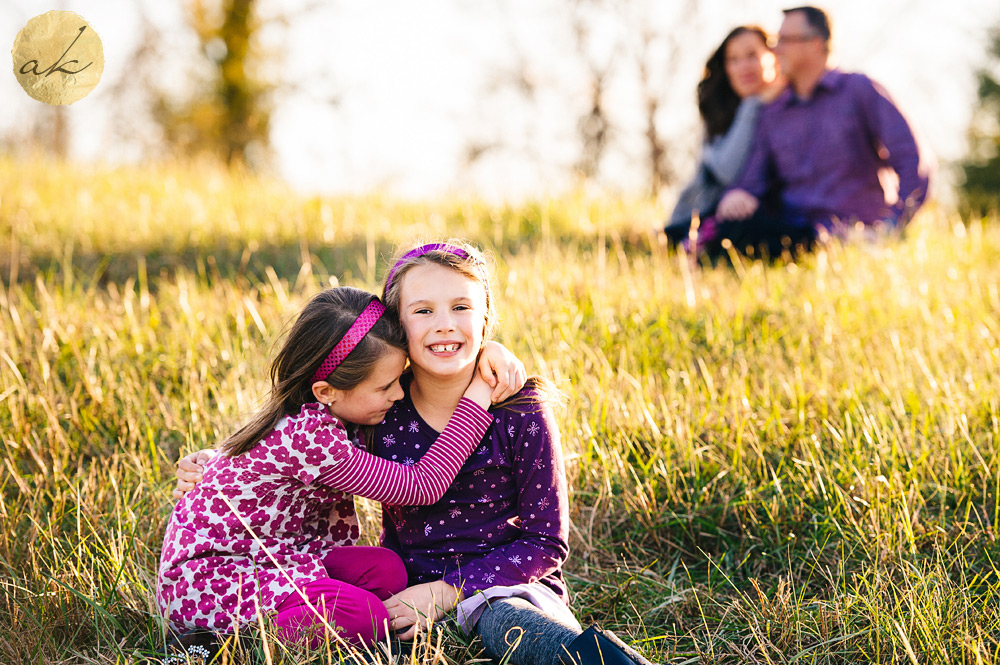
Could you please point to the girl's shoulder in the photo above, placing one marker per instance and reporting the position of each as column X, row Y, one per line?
column 539, row 395
column 302, row 444
column 525, row 424
column 312, row 417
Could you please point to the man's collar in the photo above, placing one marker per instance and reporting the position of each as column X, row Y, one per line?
column 831, row 80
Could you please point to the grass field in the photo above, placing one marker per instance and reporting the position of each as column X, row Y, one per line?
column 788, row 463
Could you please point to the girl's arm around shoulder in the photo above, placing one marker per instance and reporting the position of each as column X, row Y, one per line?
column 189, row 470
column 423, row 482
column 542, row 520
column 317, row 449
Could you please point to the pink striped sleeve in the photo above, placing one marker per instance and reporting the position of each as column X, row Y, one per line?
column 423, row 483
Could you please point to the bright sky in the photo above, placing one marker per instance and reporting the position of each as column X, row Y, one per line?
column 416, row 83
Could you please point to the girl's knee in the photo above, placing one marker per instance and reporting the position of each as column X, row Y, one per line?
column 353, row 614
column 515, row 631
column 367, row 623
column 377, row 569
column 396, row 578
column 389, row 573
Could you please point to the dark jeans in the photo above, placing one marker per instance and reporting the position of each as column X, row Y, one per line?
column 761, row 235
column 516, row 632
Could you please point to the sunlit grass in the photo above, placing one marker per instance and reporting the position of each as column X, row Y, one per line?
column 769, row 463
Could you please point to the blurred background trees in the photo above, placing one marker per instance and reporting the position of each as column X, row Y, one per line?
column 501, row 98
column 981, row 189
column 625, row 67
column 229, row 115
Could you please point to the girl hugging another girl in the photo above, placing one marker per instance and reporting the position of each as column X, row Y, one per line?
column 267, row 530
column 490, row 550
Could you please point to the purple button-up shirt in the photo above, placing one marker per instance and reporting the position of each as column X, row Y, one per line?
column 824, row 155
column 505, row 518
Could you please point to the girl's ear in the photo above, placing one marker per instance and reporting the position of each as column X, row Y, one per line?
column 325, row 393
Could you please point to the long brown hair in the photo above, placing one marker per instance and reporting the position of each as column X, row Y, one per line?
column 474, row 265
column 717, row 101
column 322, row 323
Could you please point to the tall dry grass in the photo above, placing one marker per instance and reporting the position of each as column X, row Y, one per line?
column 769, row 462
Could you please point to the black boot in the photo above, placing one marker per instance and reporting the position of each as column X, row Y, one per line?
column 197, row 647
column 596, row 647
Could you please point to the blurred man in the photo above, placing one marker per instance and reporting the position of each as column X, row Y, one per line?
column 820, row 149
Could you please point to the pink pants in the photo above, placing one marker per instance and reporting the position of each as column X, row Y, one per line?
column 360, row 578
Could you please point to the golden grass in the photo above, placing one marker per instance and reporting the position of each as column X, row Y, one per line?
column 769, row 462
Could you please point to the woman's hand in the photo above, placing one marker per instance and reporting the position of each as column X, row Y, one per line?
column 502, row 370
column 417, row 607
column 189, row 469
column 737, row 204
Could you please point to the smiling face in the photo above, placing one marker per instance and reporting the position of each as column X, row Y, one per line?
column 444, row 315
column 750, row 65
column 368, row 402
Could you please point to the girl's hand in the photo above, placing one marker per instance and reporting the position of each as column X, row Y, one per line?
column 189, row 470
column 502, row 370
column 417, row 607
column 479, row 391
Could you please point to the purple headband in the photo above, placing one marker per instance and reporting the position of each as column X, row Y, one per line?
column 420, row 251
column 354, row 334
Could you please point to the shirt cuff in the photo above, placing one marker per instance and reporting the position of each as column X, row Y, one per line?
column 471, row 412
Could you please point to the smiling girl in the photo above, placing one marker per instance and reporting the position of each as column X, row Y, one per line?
column 268, row 528
column 492, row 548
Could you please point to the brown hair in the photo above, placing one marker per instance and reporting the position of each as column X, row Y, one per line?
column 816, row 18
column 474, row 265
column 322, row 323
column 717, row 101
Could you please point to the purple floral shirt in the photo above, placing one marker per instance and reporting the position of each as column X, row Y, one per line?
column 505, row 518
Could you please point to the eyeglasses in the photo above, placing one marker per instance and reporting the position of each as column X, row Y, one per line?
column 795, row 39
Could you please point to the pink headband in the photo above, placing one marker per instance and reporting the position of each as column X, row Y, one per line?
column 420, row 251
column 354, row 334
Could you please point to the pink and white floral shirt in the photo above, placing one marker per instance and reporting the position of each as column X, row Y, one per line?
column 294, row 491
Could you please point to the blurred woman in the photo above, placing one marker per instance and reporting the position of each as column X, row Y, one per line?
column 740, row 76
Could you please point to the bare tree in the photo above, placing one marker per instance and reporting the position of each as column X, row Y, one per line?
column 659, row 170
column 49, row 131
column 659, row 50
column 594, row 127
column 232, row 114
column 614, row 41
column 225, row 107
